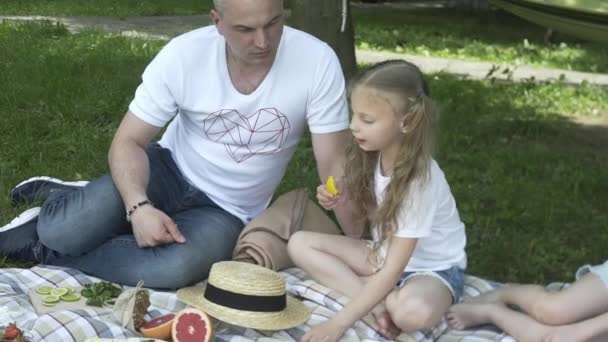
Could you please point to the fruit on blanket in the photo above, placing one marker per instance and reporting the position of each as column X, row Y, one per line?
column 44, row 290
column 71, row 297
column 60, row 291
column 159, row 328
column 192, row 325
column 142, row 302
column 12, row 332
column 50, row 299
column 331, row 186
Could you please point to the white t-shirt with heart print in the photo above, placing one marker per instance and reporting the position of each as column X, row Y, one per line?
column 234, row 147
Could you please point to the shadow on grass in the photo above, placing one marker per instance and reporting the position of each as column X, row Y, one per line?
column 452, row 33
column 529, row 181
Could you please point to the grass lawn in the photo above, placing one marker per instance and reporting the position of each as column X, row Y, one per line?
column 530, row 183
column 433, row 32
column 464, row 35
column 117, row 8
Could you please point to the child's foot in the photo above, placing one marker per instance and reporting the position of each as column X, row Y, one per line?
column 463, row 316
column 386, row 326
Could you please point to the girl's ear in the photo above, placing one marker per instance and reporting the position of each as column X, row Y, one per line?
column 405, row 123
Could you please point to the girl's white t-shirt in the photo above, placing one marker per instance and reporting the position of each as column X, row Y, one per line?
column 429, row 214
column 235, row 147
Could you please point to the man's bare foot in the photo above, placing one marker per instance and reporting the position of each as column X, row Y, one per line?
column 386, row 326
column 463, row 316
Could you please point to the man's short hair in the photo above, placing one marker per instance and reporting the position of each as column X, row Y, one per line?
column 218, row 4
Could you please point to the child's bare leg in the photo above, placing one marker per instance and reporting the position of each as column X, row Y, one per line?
column 338, row 262
column 523, row 327
column 420, row 304
column 593, row 329
column 386, row 326
column 519, row 325
column 385, row 323
column 335, row 261
column 586, row 298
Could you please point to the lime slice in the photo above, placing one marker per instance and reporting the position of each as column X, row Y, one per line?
column 49, row 304
column 50, row 299
column 59, row 291
column 71, row 297
column 43, row 290
column 71, row 290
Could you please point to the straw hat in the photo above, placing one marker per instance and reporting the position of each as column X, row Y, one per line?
column 247, row 295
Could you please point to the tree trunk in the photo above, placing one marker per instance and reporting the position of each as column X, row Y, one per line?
column 323, row 19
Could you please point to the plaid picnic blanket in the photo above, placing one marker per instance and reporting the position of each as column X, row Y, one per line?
column 90, row 324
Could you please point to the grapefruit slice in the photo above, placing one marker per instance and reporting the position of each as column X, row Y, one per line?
column 192, row 325
column 159, row 327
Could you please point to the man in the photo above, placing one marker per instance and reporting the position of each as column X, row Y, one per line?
column 237, row 97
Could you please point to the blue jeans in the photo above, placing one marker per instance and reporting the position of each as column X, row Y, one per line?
column 86, row 229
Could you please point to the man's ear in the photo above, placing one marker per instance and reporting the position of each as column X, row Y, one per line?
column 215, row 16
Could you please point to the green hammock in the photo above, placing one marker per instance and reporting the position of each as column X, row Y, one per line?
column 586, row 19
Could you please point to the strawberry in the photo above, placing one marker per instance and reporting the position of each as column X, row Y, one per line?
column 12, row 332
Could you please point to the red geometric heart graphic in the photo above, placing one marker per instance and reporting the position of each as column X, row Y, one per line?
column 262, row 132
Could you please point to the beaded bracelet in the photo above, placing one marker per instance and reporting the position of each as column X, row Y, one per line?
column 140, row 204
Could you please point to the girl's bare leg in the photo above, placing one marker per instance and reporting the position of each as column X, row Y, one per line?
column 420, row 304
column 340, row 263
column 335, row 261
column 519, row 325
column 594, row 329
column 586, row 298
column 523, row 327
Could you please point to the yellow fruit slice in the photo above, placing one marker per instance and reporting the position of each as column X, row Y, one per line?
column 44, row 290
column 61, row 291
column 71, row 297
column 331, row 186
column 50, row 299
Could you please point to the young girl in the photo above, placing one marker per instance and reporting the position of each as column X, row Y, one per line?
column 577, row 313
column 418, row 239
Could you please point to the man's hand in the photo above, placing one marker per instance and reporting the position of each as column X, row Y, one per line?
column 325, row 332
column 152, row 227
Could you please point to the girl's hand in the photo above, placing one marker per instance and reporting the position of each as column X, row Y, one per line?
column 324, row 332
column 326, row 199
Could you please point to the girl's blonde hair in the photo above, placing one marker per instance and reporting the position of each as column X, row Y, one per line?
column 405, row 81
